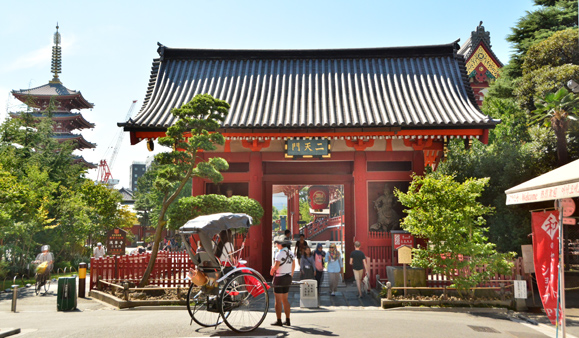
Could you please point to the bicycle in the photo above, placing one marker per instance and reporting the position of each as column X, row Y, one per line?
column 42, row 280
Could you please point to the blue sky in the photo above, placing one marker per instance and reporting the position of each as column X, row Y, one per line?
column 108, row 46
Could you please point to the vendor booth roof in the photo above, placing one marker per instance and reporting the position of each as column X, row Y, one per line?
column 560, row 183
column 412, row 87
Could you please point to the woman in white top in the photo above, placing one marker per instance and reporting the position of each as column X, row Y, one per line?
column 282, row 271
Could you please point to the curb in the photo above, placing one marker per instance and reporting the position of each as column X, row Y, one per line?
column 122, row 304
column 8, row 332
column 452, row 309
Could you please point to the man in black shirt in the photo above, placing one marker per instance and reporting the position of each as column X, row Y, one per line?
column 359, row 263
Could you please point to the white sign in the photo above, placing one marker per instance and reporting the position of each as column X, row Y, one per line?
column 545, row 194
column 521, row 289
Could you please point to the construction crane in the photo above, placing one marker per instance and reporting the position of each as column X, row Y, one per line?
column 104, row 174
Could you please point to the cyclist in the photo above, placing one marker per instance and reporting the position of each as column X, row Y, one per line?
column 45, row 256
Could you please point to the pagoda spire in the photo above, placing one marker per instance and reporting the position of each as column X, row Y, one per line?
column 56, row 57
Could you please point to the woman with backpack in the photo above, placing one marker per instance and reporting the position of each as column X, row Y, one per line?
column 307, row 264
column 319, row 260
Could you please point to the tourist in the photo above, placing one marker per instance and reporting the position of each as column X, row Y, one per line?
column 319, row 260
column 307, row 263
column 335, row 268
column 45, row 256
column 99, row 250
column 300, row 246
column 288, row 234
column 282, row 272
column 359, row 263
column 225, row 250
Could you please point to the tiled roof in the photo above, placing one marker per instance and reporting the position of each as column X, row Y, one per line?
column 81, row 141
column 51, row 89
column 80, row 159
column 412, row 87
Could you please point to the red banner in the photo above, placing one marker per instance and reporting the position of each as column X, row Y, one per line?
column 546, row 259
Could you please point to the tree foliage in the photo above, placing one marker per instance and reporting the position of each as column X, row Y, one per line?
column 548, row 66
column 45, row 198
column 448, row 214
column 190, row 207
column 555, row 110
column 538, row 25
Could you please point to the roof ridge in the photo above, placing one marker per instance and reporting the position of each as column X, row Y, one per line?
column 327, row 53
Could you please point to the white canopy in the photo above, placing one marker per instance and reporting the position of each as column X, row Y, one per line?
column 560, row 183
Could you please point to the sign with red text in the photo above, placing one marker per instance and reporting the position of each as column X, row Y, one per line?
column 116, row 242
column 546, row 258
column 402, row 240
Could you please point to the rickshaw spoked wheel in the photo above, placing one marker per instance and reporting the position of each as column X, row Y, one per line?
column 197, row 305
column 246, row 300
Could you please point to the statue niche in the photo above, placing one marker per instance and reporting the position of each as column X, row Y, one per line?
column 387, row 218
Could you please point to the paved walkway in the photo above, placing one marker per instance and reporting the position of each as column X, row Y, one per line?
column 347, row 295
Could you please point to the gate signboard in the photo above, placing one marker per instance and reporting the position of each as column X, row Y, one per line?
column 116, row 242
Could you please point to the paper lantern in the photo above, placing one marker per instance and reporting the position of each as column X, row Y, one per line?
column 319, row 197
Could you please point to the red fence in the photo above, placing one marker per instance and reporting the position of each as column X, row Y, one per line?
column 170, row 269
column 378, row 267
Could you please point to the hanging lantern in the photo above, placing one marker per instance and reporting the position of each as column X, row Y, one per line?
column 319, row 197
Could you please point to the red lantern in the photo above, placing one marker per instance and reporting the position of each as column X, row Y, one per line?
column 319, row 197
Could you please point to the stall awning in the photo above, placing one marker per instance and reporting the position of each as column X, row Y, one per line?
column 559, row 183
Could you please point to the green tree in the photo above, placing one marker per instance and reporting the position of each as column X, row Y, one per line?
column 53, row 204
column 548, row 65
column 190, row 207
column 448, row 214
column 195, row 129
column 538, row 25
column 555, row 110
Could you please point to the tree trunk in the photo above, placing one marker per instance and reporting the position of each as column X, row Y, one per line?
column 161, row 224
column 560, row 133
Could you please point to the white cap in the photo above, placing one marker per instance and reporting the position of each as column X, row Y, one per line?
column 99, row 244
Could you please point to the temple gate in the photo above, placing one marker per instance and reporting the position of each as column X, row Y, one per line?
column 365, row 119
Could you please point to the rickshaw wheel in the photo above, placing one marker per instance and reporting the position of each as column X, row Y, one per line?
column 197, row 307
column 246, row 300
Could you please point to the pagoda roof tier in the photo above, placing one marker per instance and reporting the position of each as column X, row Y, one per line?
column 424, row 87
column 68, row 98
column 81, row 160
column 77, row 119
column 77, row 138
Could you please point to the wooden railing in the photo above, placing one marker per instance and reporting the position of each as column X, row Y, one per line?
column 378, row 267
column 170, row 269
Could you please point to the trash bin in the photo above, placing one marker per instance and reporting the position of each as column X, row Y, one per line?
column 66, row 295
column 309, row 293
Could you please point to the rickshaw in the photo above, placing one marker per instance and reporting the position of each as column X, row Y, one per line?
column 223, row 292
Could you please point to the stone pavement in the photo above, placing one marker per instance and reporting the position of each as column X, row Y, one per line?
column 347, row 295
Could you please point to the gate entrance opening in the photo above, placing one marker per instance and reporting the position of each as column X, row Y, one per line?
column 294, row 210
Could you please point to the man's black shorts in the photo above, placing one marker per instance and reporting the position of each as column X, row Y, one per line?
column 281, row 284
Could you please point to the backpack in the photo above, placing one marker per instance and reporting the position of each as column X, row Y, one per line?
column 319, row 262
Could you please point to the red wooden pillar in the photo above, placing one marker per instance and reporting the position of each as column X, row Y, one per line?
column 296, row 212
column 256, row 192
column 418, row 162
column 288, row 219
column 350, row 226
column 360, row 200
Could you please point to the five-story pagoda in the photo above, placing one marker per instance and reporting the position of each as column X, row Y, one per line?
column 67, row 105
